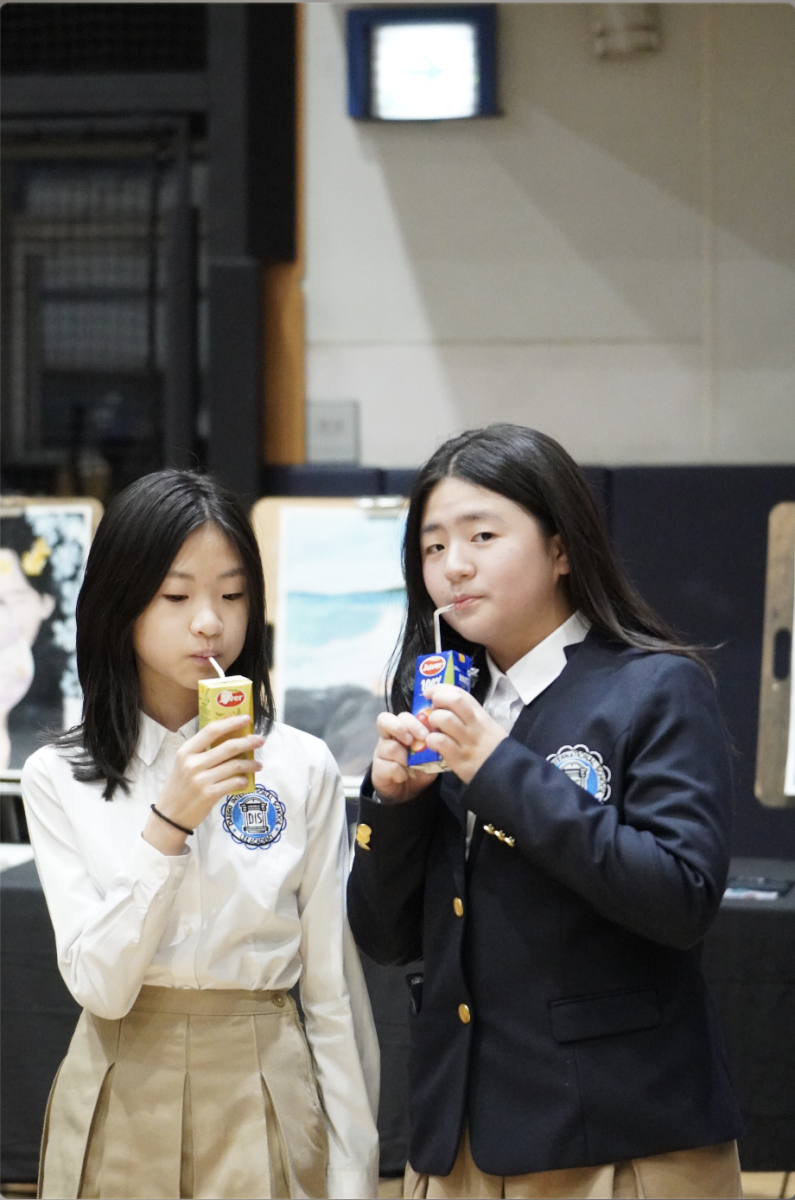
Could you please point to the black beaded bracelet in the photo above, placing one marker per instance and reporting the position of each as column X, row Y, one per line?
column 176, row 824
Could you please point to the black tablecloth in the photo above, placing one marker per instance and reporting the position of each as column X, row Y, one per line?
column 38, row 1017
column 749, row 961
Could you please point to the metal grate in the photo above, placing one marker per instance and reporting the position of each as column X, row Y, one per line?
column 87, row 296
column 103, row 37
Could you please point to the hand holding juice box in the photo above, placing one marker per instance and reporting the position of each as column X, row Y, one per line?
column 443, row 666
column 228, row 696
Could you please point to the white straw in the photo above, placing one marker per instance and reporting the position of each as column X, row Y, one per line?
column 218, row 670
column 437, row 632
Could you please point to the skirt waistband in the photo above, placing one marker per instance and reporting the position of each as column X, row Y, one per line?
column 211, row 1001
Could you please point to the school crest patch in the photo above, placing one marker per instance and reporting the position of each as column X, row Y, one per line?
column 585, row 768
column 254, row 819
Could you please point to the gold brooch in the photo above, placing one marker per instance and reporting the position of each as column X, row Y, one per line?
column 500, row 834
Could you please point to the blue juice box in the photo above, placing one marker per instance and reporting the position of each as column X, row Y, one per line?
column 432, row 669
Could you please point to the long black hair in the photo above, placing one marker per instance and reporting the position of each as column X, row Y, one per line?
column 136, row 542
column 535, row 472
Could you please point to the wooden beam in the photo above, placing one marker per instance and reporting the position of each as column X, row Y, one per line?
column 284, row 389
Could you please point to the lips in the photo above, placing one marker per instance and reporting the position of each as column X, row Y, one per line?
column 463, row 602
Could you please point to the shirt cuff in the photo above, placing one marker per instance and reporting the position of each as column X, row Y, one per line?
column 147, row 862
column 352, row 1185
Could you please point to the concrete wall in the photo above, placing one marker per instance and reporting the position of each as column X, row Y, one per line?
column 612, row 261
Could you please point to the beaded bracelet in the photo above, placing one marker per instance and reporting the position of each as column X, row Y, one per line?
column 176, row 824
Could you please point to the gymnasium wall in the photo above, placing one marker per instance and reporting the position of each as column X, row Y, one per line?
column 613, row 260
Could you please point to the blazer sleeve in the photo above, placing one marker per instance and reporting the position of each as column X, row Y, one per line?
column 387, row 880
column 658, row 866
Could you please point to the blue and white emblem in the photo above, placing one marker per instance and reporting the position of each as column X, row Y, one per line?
column 585, row 768
column 254, row 819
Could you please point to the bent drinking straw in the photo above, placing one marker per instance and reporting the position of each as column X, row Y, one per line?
column 217, row 669
column 437, row 632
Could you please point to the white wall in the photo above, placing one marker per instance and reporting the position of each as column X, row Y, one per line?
column 611, row 261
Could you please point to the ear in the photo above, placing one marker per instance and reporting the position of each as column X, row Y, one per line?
column 560, row 559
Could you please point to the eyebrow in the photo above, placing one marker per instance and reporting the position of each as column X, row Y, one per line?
column 484, row 514
column 187, row 575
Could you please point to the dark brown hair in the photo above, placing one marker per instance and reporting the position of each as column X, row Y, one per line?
column 535, row 472
column 136, row 542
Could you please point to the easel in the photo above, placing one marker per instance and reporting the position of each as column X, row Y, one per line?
column 776, row 694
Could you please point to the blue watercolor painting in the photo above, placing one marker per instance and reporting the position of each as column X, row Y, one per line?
column 340, row 611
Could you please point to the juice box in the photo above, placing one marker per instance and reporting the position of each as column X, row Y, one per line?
column 230, row 697
column 432, row 669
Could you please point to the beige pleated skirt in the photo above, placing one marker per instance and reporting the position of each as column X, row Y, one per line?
column 706, row 1173
column 193, row 1093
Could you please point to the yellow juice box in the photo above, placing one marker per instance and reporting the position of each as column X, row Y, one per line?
column 230, row 697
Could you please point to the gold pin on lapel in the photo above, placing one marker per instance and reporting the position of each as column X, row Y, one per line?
column 500, row 834
column 363, row 835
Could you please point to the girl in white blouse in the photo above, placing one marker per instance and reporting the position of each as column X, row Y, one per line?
column 179, row 932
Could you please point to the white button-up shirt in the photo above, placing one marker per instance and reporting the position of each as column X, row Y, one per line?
column 219, row 915
column 510, row 691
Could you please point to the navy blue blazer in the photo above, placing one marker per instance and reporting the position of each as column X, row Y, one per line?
column 563, row 1016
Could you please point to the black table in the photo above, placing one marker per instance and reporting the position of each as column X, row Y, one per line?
column 38, row 1017
column 749, row 962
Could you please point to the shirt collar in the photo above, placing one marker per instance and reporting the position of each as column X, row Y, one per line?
column 152, row 735
column 540, row 667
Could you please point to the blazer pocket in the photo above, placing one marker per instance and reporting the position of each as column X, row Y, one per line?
column 600, row 1016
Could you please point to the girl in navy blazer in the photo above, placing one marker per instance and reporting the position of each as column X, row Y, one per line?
column 558, row 880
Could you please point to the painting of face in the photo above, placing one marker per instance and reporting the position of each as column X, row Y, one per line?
column 43, row 551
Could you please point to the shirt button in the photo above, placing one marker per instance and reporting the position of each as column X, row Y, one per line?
column 363, row 835
column 278, row 1000
column 464, row 1015
column 458, row 906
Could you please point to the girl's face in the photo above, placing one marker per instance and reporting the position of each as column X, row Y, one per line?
column 200, row 610
column 493, row 560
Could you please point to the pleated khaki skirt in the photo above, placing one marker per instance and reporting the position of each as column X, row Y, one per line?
column 193, row 1093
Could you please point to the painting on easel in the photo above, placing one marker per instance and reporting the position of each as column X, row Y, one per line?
column 44, row 545
column 775, row 759
column 336, row 597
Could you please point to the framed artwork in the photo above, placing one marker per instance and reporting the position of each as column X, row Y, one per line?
column 44, row 545
column 336, row 600
column 775, row 758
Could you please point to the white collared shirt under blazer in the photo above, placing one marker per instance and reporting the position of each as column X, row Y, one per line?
column 220, row 915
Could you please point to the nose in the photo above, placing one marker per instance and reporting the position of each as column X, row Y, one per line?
column 206, row 622
column 457, row 564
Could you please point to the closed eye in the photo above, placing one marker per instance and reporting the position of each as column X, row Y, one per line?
column 174, row 598
column 234, row 595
